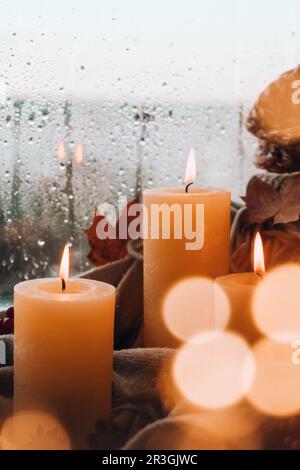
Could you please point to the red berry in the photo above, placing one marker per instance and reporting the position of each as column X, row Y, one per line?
column 8, row 326
column 10, row 313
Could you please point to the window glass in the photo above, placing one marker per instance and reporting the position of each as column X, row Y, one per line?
column 99, row 98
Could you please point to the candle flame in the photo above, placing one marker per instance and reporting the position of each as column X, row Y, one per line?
column 61, row 151
column 259, row 259
column 64, row 265
column 78, row 154
column 190, row 172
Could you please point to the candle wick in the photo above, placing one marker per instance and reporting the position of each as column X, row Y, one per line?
column 63, row 284
column 260, row 274
column 188, row 187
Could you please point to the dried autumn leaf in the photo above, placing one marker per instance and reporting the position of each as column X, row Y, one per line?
column 275, row 198
column 105, row 251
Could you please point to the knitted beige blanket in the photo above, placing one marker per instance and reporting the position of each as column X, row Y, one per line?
column 147, row 416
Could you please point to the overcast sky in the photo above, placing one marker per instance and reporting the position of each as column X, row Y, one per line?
column 159, row 49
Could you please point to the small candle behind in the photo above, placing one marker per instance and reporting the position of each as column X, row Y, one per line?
column 239, row 289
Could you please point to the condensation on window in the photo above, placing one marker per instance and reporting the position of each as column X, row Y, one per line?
column 100, row 101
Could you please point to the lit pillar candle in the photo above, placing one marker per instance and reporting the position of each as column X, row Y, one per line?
column 239, row 290
column 64, row 348
column 171, row 257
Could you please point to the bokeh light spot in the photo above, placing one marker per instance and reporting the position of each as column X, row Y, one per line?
column 276, row 304
column 33, row 430
column 275, row 390
column 214, row 371
column 189, row 308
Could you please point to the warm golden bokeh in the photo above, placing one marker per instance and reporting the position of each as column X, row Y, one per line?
column 78, row 154
column 241, row 422
column 33, row 430
column 191, row 432
column 189, row 308
column 214, row 370
column 275, row 390
column 61, row 151
column 276, row 304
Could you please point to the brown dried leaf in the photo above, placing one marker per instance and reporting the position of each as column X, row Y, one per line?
column 105, row 251
column 273, row 198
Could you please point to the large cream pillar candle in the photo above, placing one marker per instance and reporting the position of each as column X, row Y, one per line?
column 167, row 261
column 63, row 351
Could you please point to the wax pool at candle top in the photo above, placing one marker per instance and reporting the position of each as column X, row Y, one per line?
column 52, row 288
column 180, row 191
column 71, row 287
column 245, row 279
